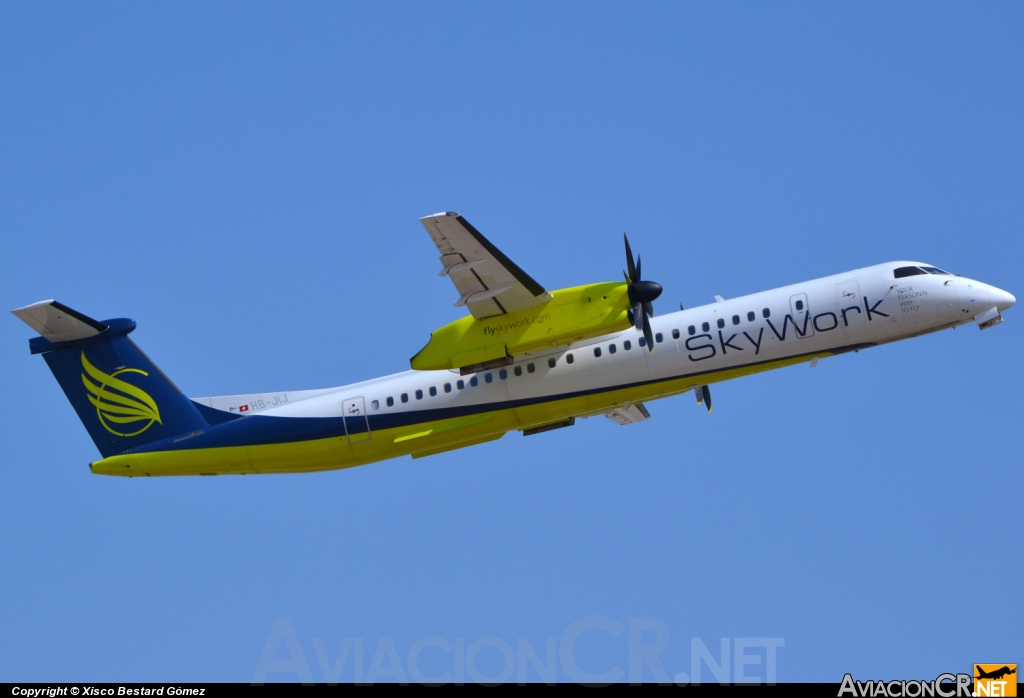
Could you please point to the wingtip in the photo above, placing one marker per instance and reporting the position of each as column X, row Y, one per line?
column 15, row 311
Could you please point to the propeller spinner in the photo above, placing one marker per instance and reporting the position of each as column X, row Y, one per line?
column 642, row 295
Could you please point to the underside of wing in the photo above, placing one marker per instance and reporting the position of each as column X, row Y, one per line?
column 488, row 282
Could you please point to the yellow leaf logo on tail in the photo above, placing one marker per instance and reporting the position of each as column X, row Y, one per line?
column 120, row 406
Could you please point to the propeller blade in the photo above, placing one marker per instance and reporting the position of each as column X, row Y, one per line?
column 641, row 295
column 706, row 394
column 632, row 276
column 648, row 335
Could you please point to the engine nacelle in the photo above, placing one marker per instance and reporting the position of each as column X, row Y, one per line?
column 572, row 314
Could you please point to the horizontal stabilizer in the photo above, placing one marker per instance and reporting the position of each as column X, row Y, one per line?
column 629, row 414
column 57, row 322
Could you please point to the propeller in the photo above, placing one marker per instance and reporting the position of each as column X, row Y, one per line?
column 642, row 295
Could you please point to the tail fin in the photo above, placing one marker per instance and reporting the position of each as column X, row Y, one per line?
column 122, row 398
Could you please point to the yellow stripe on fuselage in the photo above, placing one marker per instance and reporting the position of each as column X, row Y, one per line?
column 425, row 438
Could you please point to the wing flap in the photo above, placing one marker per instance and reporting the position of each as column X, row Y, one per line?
column 488, row 282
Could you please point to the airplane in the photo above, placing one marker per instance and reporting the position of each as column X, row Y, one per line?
column 525, row 359
column 995, row 674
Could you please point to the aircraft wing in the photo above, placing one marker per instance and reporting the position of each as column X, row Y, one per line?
column 488, row 282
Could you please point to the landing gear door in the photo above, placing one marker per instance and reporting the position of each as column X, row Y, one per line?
column 357, row 428
column 801, row 315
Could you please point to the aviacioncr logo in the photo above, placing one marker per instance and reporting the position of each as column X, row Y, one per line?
column 120, row 406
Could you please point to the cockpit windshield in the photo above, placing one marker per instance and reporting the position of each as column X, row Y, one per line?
column 902, row 272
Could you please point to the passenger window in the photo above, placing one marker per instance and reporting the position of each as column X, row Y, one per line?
column 705, row 327
column 474, row 381
column 419, row 394
column 447, row 387
column 721, row 323
column 658, row 338
column 597, row 351
column 735, row 319
column 552, row 362
column 405, row 397
column 502, row 374
column 907, row 271
column 391, row 402
column 799, row 305
column 488, row 378
column 750, row 316
column 433, row 391
column 611, row 348
column 691, row 330
column 675, row 334
column 766, row 313
column 375, row 404
column 627, row 345
column 518, row 370
column 642, row 341
column 530, row 368
column 569, row 358
column 460, row 385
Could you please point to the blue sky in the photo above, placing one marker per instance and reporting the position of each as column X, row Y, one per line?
column 245, row 181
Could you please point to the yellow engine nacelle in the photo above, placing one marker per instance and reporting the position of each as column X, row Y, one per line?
column 572, row 314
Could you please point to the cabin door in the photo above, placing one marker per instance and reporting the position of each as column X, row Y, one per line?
column 357, row 427
column 801, row 314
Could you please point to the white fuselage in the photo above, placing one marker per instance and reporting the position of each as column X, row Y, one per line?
column 848, row 311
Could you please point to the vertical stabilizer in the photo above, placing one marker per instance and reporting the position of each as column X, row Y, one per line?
column 122, row 398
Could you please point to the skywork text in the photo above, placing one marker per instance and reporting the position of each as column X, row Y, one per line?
column 704, row 346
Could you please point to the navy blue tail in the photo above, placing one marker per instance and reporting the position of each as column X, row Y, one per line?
column 122, row 398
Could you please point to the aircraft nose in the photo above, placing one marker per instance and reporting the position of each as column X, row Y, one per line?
column 1001, row 298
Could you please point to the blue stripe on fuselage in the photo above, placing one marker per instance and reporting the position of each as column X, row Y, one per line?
column 258, row 430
